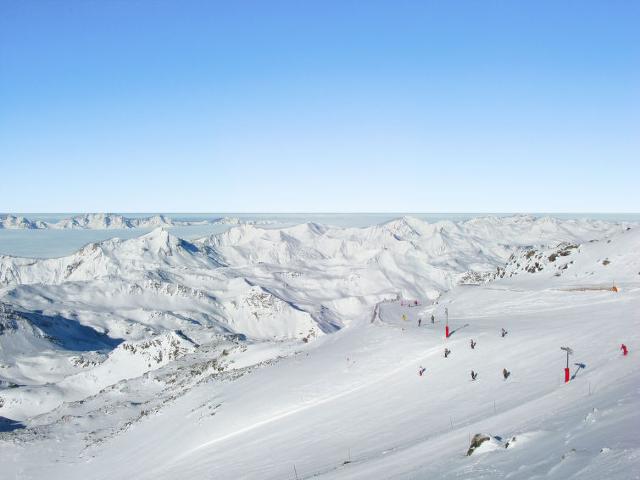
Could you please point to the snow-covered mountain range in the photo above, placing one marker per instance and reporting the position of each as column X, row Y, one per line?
column 103, row 221
column 272, row 333
column 310, row 277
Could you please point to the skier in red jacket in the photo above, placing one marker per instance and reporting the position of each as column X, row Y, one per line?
column 624, row 349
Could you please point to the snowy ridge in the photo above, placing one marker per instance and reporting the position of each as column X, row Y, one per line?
column 111, row 257
column 155, row 271
column 615, row 259
column 105, row 221
column 320, row 278
column 492, row 236
column 19, row 222
column 127, row 360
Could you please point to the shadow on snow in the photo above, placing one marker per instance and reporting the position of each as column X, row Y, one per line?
column 70, row 334
column 8, row 425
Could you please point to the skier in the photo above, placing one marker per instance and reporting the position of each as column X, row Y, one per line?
column 624, row 349
column 505, row 373
column 504, row 333
column 446, row 352
column 433, row 319
column 404, row 317
column 421, row 370
column 419, row 321
column 474, row 375
column 473, row 344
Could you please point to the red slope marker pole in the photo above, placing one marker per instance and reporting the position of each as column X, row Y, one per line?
column 446, row 328
column 567, row 374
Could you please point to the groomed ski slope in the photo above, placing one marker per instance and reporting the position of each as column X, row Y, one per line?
column 356, row 395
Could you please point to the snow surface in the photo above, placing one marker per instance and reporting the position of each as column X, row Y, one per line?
column 294, row 353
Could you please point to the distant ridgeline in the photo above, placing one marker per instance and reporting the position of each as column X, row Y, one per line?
column 103, row 221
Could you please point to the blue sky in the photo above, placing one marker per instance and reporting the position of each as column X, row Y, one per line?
column 343, row 106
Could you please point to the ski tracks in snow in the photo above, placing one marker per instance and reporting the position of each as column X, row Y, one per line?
column 301, row 408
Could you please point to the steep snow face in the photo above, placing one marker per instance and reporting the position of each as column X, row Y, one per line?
column 18, row 325
column 254, row 309
column 18, row 335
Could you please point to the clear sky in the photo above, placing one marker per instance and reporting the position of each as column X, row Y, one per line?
column 449, row 106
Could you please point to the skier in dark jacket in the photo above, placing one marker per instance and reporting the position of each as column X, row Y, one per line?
column 421, row 370
column 474, row 375
column 504, row 333
column 433, row 319
column 419, row 321
column 446, row 352
column 473, row 344
column 505, row 373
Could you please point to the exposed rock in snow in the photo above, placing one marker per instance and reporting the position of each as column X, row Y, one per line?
column 476, row 278
column 477, row 440
column 532, row 260
column 600, row 262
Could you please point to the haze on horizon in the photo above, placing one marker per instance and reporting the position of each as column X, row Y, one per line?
column 330, row 107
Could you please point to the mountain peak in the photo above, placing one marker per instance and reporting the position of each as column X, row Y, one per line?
column 160, row 237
